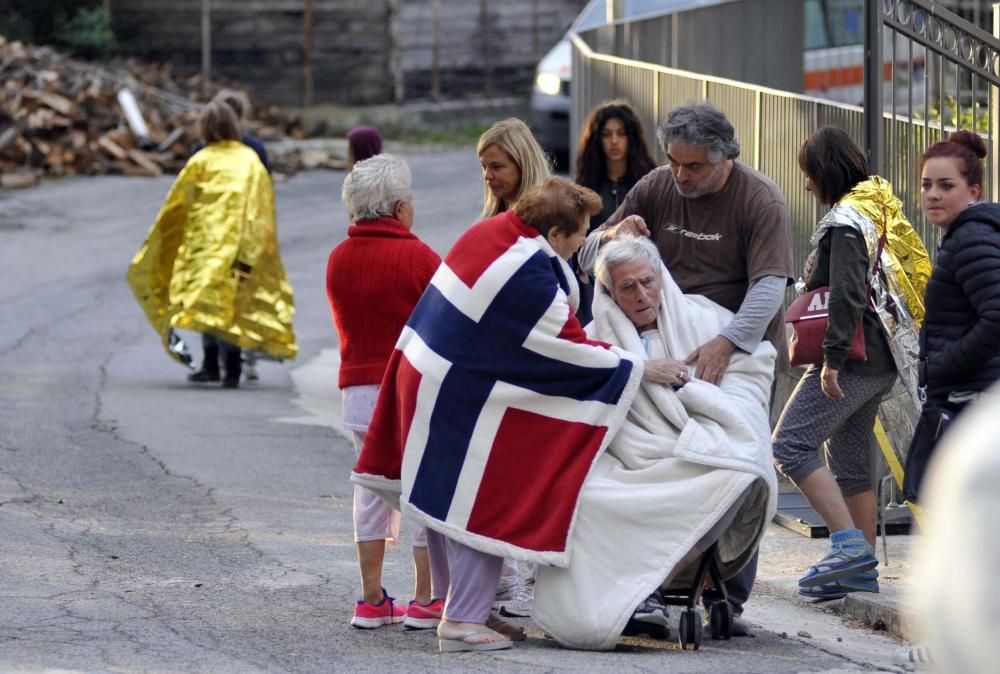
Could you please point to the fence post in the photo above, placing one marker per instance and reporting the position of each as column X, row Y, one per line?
column 873, row 75
column 396, row 52
column 486, row 52
column 206, row 47
column 578, row 96
column 994, row 130
column 758, row 127
column 307, row 54
column 536, row 30
column 436, row 50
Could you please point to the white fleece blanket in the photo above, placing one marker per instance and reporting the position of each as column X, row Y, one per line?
column 679, row 463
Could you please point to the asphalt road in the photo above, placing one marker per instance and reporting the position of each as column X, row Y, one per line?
column 149, row 525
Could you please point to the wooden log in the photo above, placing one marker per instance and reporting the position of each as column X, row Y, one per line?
column 85, row 160
column 40, row 119
column 146, row 162
column 41, row 146
column 121, row 137
column 174, row 136
column 140, row 171
column 112, row 148
column 8, row 137
column 18, row 180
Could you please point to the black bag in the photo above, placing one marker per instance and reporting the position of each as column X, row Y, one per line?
column 935, row 417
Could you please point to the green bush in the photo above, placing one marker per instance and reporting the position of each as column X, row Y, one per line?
column 959, row 116
column 86, row 33
column 82, row 27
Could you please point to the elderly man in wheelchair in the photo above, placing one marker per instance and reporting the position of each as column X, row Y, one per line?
column 682, row 495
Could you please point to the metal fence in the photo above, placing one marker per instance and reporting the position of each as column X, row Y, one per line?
column 770, row 124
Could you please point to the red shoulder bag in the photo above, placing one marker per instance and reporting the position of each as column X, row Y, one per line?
column 809, row 318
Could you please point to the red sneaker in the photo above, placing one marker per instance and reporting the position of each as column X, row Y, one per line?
column 423, row 616
column 369, row 616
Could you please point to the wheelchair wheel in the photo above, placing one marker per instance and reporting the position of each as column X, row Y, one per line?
column 689, row 629
column 720, row 620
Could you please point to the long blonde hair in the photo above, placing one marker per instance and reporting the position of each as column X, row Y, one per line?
column 513, row 137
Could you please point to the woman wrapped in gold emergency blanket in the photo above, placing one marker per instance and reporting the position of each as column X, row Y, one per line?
column 210, row 263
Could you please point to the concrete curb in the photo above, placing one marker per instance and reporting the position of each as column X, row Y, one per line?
column 887, row 612
column 884, row 611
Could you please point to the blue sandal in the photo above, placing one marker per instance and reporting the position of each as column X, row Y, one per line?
column 840, row 563
column 838, row 589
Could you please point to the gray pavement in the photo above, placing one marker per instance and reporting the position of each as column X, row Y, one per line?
column 153, row 526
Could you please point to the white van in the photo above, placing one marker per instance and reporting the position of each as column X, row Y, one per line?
column 550, row 96
column 550, row 99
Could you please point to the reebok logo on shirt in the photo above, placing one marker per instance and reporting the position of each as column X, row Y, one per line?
column 697, row 236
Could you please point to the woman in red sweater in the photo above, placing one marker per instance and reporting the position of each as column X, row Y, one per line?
column 373, row 281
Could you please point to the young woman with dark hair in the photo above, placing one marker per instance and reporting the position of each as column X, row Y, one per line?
column 613, row 155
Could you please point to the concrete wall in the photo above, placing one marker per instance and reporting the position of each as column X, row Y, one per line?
column 483, row 47
column 490, row 47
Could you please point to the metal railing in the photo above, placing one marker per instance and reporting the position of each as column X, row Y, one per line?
column 770, row 124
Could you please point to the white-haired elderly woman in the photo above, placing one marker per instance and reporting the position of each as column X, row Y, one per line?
column 373, row 281
column 690, row 466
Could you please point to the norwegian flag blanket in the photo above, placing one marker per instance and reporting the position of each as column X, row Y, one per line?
column 495, row 405
column 688, row 468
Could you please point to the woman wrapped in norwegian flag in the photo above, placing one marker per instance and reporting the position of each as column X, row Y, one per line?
column 495, row 405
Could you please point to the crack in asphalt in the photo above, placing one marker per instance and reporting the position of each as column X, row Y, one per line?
column 29, row 499
column 108, row 427
column 19, row 342
column 204, row 524
column 71, row 623
column 41, row 328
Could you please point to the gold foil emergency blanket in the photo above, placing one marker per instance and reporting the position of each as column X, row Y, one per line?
column 210, row 262
column 898, row 292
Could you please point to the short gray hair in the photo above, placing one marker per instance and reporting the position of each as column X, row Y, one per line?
column 700, row 124
column 622, row 251
column 374, row 187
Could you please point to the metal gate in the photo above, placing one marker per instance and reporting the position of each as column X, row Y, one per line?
column 928, row 72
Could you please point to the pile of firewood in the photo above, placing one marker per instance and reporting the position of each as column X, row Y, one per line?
column 268, row 123
column 60, row 116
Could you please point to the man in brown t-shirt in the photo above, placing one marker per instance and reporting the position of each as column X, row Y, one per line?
column 722, row 229
column 724, row 232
